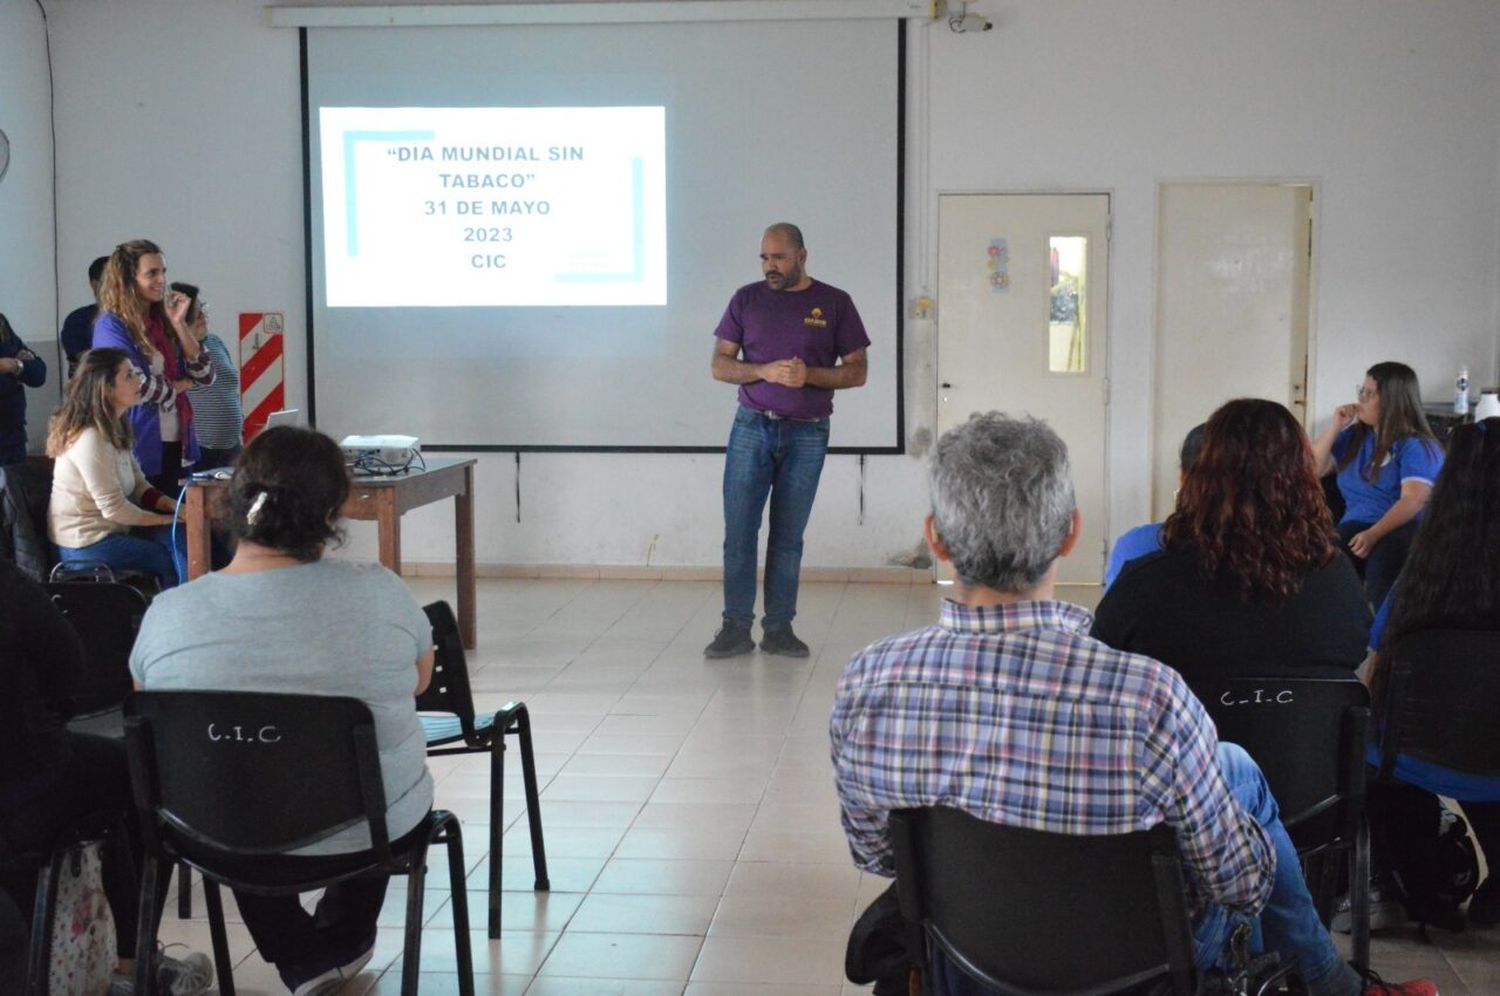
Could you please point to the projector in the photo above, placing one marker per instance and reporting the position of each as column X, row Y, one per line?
column 393, row 451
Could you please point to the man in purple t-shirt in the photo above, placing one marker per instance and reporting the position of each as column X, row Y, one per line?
column 789, row 342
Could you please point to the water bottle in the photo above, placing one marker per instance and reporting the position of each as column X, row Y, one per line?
column 1461, row 393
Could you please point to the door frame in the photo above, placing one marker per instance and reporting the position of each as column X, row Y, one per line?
column 1314, row 213
column 1111, row 195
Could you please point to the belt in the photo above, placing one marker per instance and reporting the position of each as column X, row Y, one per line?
column 778, row 417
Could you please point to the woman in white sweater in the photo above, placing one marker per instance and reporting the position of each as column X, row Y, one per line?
column 102, row 508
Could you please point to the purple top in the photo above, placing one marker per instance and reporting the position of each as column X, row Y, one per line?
column 818, row 324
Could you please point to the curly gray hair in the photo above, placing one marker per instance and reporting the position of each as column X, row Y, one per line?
column 1002, row 502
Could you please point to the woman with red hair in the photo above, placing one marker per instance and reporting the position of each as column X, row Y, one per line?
column 1250, row 580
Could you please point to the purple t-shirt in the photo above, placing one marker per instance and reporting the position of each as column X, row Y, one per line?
column 818, row 324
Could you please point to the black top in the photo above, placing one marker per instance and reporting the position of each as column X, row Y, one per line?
column 1163, row 607
column 40, row 659
column 77, row 333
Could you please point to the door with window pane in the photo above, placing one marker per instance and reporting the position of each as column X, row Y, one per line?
column 1022, row 319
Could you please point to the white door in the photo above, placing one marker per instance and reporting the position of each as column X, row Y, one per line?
column 1233, row 269
column 1023, row 313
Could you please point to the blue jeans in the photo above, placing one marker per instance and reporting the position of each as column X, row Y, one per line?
column 151, row 549
column 1288, row 924
column 1384, row 562
column 782, row 459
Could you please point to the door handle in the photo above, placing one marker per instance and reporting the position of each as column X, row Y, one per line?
column 946, row 386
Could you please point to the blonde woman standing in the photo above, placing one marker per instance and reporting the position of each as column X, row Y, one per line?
column 139, row 315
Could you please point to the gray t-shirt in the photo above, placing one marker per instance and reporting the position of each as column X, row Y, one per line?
column 326, row 628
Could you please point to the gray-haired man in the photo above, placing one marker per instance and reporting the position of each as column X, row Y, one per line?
column 1008, row 709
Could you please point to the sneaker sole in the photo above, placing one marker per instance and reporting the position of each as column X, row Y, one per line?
column 1387, row 913
column 748, row 648
column 780, row 652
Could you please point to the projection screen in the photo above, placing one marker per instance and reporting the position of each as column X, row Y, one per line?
column 522, row 237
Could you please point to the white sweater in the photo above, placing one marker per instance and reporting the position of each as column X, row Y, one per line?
column 95, row 488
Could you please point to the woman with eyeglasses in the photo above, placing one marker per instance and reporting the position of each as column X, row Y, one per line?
column 218, row 416
column 138, row 314
column 102, row 506
column 1387, row 458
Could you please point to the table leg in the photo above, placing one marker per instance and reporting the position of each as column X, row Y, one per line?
column 195, row 518
column 388, row 521
column 463, row 537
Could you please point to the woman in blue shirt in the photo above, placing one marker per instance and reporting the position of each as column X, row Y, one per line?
column 1387, row 459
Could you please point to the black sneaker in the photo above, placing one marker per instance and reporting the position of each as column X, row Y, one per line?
column 783, row 641
column 732, row 640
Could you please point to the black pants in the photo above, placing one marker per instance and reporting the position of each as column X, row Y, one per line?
column 287, row 935
column 1385, row 561
column 94, row 780
column 168, row 480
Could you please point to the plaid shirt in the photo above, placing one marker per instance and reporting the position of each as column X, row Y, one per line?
column 1014, row 714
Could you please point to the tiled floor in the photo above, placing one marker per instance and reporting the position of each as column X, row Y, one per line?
column 691, row 825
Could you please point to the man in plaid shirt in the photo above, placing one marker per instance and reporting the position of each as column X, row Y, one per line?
column 1007, row 709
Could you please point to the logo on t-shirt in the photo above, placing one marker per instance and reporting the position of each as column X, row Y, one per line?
column 815, row 317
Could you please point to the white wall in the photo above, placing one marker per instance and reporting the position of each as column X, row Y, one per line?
column 1388, row 107
column 180, row 121
column 26, row 284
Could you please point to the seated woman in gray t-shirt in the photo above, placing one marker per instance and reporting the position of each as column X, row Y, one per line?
column 279, row 618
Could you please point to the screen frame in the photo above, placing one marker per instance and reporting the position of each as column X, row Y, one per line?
column 897, row 448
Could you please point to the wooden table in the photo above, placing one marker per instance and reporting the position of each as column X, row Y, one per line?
column 382, row 500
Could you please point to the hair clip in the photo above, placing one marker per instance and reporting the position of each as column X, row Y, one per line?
column 255, row 507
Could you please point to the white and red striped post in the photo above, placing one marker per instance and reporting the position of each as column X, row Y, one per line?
column 262, row 383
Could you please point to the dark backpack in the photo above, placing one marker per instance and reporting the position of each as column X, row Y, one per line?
column 1439, row 872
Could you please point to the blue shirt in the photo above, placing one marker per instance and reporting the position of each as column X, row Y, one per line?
column 1409, row 459
column 1132, row 543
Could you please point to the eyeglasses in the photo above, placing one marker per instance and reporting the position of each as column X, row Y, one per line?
column 1365, row 394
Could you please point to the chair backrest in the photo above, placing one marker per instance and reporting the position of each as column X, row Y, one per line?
column 1441, row 694
column 449, row 689
column 1308, row 736
column 1023, row 911
column 25, row 490
column 107, row 616
column 238, row 773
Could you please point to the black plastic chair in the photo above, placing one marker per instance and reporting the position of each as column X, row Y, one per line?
column 230, row 781
column 1308, row 736
column 1027, row 913
column 106, row 613
column 451, row 727
column 1439, row 703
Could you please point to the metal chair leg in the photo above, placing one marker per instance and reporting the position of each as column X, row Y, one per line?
column 44, row 909
column 184, row 891
column 1359, row 898
column 533, row 801
column 214, row 903
column 459, row 897
column 497, row 829
column 146, row 926
column 411, row 956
